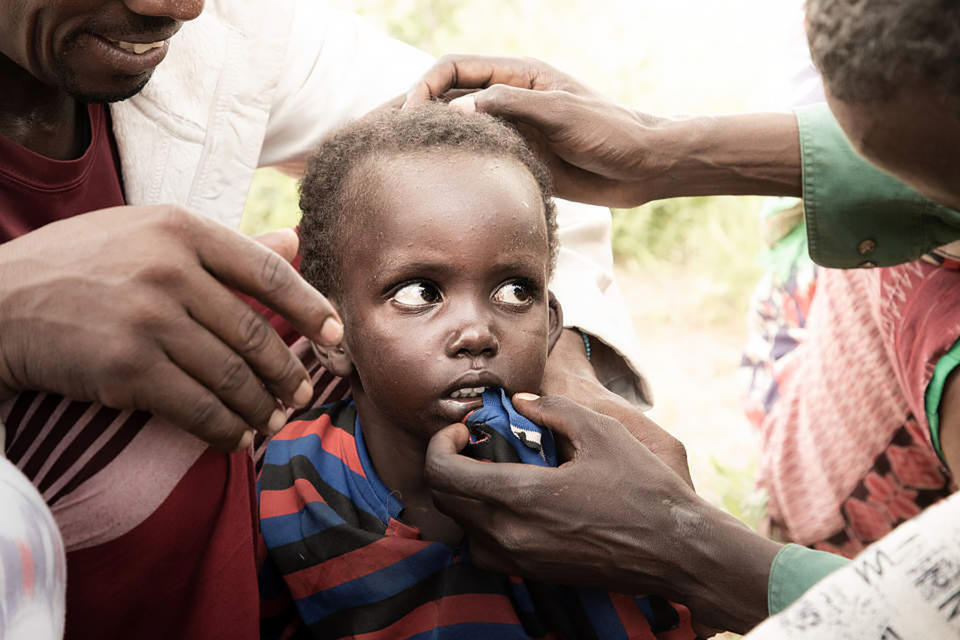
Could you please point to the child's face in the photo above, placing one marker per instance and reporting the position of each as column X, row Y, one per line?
column 445, row 288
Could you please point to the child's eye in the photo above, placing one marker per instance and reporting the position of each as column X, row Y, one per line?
column 514, row 293
column 416, row 294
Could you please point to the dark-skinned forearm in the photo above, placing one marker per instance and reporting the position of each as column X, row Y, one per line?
column 708, row 560
column 748, row 154
column 730, row 565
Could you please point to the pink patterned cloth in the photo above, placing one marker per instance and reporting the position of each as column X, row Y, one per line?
column 846, row 450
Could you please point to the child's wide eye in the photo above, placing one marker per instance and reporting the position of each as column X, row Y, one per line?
column 416, row 294
column 514, row 293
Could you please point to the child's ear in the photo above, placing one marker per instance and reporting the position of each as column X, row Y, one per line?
column 336, row 359
column 556, row 320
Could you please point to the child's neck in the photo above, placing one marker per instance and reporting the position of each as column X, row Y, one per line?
column 399, row 458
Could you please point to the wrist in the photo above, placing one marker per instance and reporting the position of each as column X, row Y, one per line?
column 731, row 573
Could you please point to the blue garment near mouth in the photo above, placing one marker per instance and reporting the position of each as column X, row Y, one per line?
column 499, row 434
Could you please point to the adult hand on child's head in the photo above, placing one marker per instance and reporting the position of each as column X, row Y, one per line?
column 131, row 307
column 598, row 151
column 603, row 153
column 613, row 515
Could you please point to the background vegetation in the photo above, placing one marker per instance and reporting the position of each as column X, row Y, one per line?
column 686, row 266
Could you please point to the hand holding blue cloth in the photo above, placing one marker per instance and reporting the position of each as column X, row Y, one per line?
column 499, row 434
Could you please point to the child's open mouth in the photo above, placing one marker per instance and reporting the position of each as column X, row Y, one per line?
column 467, row 392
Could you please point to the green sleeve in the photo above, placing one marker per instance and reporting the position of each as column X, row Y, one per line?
column 945, row 366
column 857, row 215
column 794, row 570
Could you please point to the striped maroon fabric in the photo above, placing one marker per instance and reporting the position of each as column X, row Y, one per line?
column 159, row 529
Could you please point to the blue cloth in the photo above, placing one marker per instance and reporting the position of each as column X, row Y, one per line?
column 497, row 423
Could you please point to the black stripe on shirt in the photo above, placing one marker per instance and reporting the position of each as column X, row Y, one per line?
column 457, row 579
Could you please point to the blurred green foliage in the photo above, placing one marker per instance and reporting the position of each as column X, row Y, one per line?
column 271, row 204
column 715, row 236
column 739, row 494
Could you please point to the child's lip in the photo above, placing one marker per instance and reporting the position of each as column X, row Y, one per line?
column 455, row 409
column 472, row 379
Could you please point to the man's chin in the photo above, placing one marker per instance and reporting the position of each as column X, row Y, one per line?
column 105, row 91
column 117, row 94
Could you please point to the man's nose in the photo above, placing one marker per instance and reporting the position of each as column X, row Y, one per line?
column 473, row 337
column 182, row 10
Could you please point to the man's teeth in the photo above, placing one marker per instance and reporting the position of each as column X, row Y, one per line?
column 468, row 392
column 136, row 47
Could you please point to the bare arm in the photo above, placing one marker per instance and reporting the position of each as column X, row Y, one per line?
column 604, row 153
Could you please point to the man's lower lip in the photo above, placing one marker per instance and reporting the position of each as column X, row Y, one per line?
column 126, row 62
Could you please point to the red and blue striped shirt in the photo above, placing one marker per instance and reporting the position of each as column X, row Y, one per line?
column 337, row 562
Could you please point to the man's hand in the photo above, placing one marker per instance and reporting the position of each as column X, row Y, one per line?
column 593, row 147
column 570, row 375
column 604, row 153
column 130, row 307
column 611, row 516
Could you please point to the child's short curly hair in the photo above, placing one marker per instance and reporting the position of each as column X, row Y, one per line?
column 327, row 195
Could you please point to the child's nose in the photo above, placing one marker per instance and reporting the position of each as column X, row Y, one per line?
column 473, row 340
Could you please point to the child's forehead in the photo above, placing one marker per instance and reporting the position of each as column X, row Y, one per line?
column 421, row 208
column 440, row 183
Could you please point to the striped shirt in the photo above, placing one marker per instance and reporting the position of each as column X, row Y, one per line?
column 337, row 561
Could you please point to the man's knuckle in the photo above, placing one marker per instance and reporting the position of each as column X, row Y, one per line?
column 553, row 403
column 499, row 94
column 448, row 59
column 253, row 330
column 202, row 417
column 435, row 468
column 264, row 409
column 510, row 538
column 163, row 274
column 122, row 360
column 114, row 394
column 175, row 219
column 233, row 374
column 274, row 273
column 291, row 371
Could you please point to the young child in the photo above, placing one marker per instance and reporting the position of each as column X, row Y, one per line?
column 434, row 234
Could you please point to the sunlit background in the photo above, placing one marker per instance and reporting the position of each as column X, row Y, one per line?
column 686, row 266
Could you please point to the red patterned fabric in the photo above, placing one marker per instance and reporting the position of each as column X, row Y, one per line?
column 846, row 451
